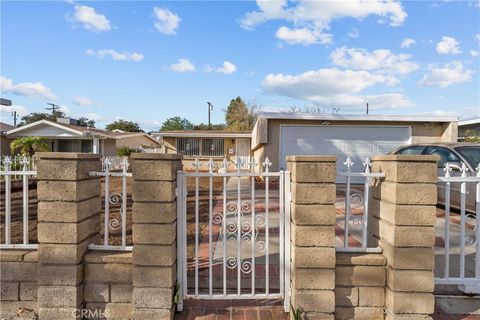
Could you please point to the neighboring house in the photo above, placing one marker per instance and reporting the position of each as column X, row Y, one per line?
column 66, row 136
column 468, row 128
column 207, row 144
column 278, row 135
column 4, row 140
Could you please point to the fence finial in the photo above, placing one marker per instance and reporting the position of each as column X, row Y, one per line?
column 348, row 163
column 367, row 164
column 196, row 164
column 447, row 170
column 211, row 165
column 25, row 163
column 225, row 164
column 238, row 163
column 464, row 170
column 478, row 170
column 125, row 165
column 253, row 164
column 7, row 161
column 267, row 164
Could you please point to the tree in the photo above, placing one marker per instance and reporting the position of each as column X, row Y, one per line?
column 203, row 126
column 124, row 125
column 37, row 116
column 29, row 145
column 85, row 122
column 176, row 123
column 239, row 116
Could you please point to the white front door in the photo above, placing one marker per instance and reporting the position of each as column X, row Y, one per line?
column 243, row 152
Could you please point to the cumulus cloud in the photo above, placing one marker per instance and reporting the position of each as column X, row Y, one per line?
column 448, row 45
column 183, row 65
column 90, row 19
column 303, row 36
column 166, row 21
column 21, row 110
column 316, row 16
column 115, row 55
column 84, row 101
column 26, row 89
column 474, row 53
column 407, row 43
column 226, row 68
column 450, row 73
column 381, row 60
column 375, row 102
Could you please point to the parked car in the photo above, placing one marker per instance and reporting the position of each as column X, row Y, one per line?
column 454, row 154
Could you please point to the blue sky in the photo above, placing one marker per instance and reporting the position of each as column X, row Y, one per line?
column 147, row 61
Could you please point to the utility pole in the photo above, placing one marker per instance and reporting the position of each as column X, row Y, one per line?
column 53, row 107
column 367, row 107
column 14, row 115
column 210, row 108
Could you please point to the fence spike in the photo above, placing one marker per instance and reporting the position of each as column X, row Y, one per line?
column 267, row 164
column 447, row 170
column 225, row 163
column 238, row 163
column 367, row 164
column 196, row 164
column 348, row 163
column 478, row 170
column 211, row 165
column 464, row 170
column 253, row 164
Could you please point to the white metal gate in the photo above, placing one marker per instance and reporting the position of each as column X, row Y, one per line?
column 233, row 239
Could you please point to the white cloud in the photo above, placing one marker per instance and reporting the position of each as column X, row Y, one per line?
column 381, row 60
column 474, row 53
column 407, row 43
column 7, row 110
column 450, row 73
column 226, row 68
column 312, row 85
column 90, row 19
column 166, row 21
column 477, row 37
column 303, row 36
column 354, row 33
column 448, row 45
column 183, row 65
column 115, row 55
column 84, row 101
column 93, row 116
column 316, row 16
column 375, row 102
column 26, row 89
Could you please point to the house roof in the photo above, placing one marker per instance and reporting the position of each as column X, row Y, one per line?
column 468, row 122
column 119, row 135
column 204, row 134
column 78, row 130
column 4, row 127
column 353, row 117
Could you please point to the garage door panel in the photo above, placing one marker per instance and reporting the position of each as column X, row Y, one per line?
column 355, row 141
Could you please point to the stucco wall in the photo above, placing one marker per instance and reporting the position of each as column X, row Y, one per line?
column 109, row 147
column 422, row 132
column 5, row 145
column 137, row 142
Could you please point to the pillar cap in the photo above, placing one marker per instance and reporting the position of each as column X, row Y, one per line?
column 311, row 158
column 406, row 158
column 67, row 155
column 156, row 156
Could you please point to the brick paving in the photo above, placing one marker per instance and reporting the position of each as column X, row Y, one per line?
column 232, row 310
column 439, row 314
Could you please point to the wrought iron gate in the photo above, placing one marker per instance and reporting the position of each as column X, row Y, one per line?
column 233, row 239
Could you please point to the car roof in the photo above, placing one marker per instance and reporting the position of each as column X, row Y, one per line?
column 446, row 144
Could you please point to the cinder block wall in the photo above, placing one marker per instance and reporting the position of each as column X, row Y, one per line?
column 360, row 286
column 404, row 205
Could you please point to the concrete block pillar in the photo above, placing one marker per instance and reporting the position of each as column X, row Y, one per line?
column 69, row 204
column 404, row 203
column 313, row 235
column 154, row 234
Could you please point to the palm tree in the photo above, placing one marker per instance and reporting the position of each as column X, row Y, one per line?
column 29, row 145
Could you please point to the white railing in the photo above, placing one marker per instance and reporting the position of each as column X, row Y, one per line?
column 111, row 168
column 17, row 163
column 361, row 201
column 25, row 173
column 245, row 225
column 467, row 278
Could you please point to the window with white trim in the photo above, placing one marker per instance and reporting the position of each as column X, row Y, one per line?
column 201, row 147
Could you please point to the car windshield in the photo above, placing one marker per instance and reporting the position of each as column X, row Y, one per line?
column 472, row 154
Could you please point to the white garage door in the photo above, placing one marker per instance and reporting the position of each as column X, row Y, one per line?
column 358, row 142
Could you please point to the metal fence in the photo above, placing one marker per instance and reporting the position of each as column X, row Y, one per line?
column 112, row 168
column 17, row 168
column 361, row 201
column 461, row 265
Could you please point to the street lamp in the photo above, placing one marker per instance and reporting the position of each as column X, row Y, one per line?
column 210, row 108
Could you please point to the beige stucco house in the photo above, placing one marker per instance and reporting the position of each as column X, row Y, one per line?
column 4, row 140
column 468, row 128
column 65, row 136
column 278, row 135
column 207, row 144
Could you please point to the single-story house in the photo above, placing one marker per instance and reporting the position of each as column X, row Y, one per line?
column 206, row 144
column 4, row 140
column 135, row 140
column 468, row 128
column 278, row 135
column 66, row 136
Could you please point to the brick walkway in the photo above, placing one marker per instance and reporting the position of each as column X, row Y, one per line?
column 232, row 309
column 439, row 314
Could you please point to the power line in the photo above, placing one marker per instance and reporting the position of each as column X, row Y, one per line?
column 53, row 107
